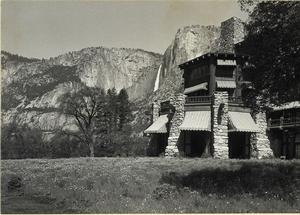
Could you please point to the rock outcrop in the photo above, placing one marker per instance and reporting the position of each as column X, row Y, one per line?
column 193, row 41
column 36, row 85
column 32, row 88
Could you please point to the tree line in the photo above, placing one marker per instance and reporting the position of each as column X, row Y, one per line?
column 97, row 114
column 103, row 122
column 273, row 44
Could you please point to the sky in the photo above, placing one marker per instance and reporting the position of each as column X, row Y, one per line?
column 47, row 28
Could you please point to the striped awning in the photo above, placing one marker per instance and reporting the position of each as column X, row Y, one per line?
column 195, row 88
column 196, row 121
column 159, row 126
column 226, row 84
column 242, row 122
column 286, row 106
column 222, row 62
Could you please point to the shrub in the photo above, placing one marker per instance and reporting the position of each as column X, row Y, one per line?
column 121, row 144
column 65, row 146
column 19, row 142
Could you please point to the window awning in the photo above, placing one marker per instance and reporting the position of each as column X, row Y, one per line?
column 286, row 106
column 222, row 62
column 242, row 122
column 159, row 126
column 195, row 88
column 226, row 84
column 196, row 121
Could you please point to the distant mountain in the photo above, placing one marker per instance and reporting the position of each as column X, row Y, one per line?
column 31, row 88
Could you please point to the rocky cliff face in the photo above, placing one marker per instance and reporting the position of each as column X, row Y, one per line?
column 33, row 86
column 189, row 42
column 193, row 41
column 108, row 68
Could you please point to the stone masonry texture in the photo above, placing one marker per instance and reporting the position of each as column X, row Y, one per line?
column 263, row 148
column 220, row 125
column 232, row 32
column 155, row 110
column 174, row 137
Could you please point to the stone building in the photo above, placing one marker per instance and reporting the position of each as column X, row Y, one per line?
column 284, row 130
column 210, row 118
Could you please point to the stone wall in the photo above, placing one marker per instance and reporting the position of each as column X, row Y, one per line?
column 253, row 146
column 220, row 125
column 155, row 110
column 259, row 141
column 175, row 137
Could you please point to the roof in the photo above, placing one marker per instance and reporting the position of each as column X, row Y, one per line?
column 226, row 84
column 196, row 121
column 202, row 86
column 286, row 106
column 208, row 55
column 159, row 126
column 242, row 122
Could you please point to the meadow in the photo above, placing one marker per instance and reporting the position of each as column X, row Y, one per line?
column 153, row 185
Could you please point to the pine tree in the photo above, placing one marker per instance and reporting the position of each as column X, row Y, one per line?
column 125, row 115
column 112, row 109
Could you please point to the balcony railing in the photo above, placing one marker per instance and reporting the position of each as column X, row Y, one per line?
column 224, row 74
column 284, row 122
column 197, row 99
column 235, row 100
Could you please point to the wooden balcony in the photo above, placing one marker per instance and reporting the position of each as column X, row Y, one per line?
column 283, row 122
column 235, row 100
column 198, row 100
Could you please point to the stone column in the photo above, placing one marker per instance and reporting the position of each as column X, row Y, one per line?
column 260, row 144
column 220, row 125
column 155, row 110
column 174, row 136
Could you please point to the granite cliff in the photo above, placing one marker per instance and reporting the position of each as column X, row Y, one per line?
column 193, row 41
column 31, row 87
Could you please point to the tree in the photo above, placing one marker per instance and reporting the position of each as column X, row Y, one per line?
column 125, row 115
column 273, row 43
column 21, row 141
column 84, row 104
column 112, row 110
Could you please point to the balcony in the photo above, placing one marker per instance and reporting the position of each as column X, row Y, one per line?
column 235, row 100
column 198, row 100
column 283, row 122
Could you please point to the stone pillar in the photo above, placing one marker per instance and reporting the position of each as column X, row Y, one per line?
column 155, row 110
column 232, row 32
column 220, row 125
column 260, row 144
column 253, row 146
column 174, row 136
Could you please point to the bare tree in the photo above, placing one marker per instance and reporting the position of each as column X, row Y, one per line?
column 84, row 104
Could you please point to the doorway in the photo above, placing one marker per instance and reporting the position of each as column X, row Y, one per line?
column 239, row 145
column 196, row 144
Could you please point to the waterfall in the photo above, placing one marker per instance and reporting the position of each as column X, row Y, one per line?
column 156, row 85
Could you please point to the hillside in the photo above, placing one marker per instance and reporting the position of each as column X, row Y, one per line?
column 31, row 88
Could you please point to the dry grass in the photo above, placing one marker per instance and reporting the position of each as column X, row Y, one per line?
column 100, row 185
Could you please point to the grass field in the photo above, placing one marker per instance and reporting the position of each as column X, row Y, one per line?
column 155, row 185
